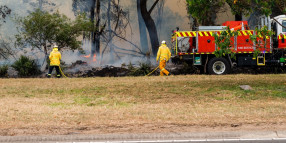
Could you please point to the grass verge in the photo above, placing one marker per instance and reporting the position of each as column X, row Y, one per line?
column 139, row 104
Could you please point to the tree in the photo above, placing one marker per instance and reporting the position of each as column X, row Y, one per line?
column 142, row 29
column 151, row 26
column 260, row 39
column 264, row 7
column 41, row 30
column 225, row 42
column 204, row 11
column 278, row 7
column 93, row 8
column 240, row 8
column 4, row 12
column 5, row 49
column 109, row 29
column 281, row 4
column 115, row 23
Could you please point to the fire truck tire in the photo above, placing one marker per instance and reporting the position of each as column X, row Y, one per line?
column 218, row 66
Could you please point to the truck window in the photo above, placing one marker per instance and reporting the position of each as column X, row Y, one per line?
column 284, row 24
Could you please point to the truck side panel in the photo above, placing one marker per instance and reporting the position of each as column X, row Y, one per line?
column 244, row 44
column 206, row 42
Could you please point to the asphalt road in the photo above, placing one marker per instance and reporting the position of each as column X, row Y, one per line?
column 274, row 140
column 206, row 137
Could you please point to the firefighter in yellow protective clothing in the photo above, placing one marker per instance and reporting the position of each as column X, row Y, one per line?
column 55, row 57
column 164, row 54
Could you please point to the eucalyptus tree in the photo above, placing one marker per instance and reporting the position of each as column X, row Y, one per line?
column 150, row 24
column 110, row 20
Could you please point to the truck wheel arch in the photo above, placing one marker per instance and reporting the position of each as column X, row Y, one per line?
column 218, row 66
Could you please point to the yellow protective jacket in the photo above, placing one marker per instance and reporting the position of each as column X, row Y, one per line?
column 55, row 57
column 163, row 53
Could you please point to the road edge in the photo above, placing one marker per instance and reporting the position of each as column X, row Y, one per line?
column 148, row 136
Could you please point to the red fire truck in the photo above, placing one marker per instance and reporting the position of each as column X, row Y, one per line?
column 198, row 47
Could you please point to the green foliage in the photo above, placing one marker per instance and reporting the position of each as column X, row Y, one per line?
column 40, row 29
column 3, row 71
column 243, row 7
column 265, row 7
column 246, row 7
column 225, row 43
column 130, row 67
column 142, row 70
column 26, row 67
column 260, row 39
column 203, row 10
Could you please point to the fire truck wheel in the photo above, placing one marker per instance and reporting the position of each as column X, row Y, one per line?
column 218, row 66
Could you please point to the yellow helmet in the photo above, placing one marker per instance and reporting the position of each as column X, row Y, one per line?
column 55, row 47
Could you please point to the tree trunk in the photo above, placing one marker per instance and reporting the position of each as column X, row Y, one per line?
column 238, row 17
column 142, row 30
column 41, row 5
column 153, row 35
column 159, row 18
column 95, row 35
column 97, row 30
column 210, row 21
column 92, row 15
column 44, row 64
column 195, row 25
column 109, row 34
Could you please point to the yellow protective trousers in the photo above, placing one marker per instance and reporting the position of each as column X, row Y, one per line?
column 162, row 68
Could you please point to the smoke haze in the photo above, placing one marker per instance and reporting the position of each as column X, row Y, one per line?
column 174, row 14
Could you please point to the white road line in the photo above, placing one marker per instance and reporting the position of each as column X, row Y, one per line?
column 176, row 141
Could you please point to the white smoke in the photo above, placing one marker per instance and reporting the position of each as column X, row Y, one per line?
column 23, row 8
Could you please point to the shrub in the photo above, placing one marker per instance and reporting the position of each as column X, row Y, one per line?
column 3, row 71
column 142, row 70
column 189, row 69
column 26, row 67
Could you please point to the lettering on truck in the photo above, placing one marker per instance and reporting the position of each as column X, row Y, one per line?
column 244, row 48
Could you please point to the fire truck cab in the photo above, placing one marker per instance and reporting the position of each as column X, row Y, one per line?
column 278, row 25
column 197, row 47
